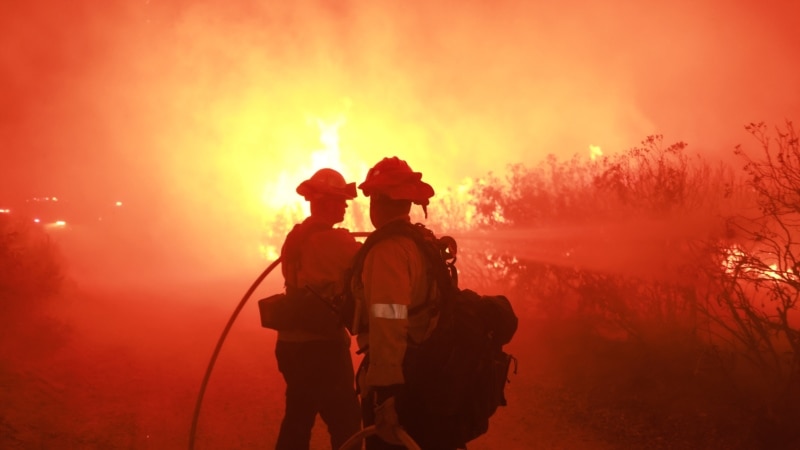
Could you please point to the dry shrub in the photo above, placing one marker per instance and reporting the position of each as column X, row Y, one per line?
column 30, row 277
column 711, row 344
column 751, row 304
column 30, row 266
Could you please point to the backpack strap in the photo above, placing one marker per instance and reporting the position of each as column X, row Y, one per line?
column 439, row 254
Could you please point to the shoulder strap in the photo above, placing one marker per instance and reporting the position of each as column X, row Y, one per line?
column 440, row 254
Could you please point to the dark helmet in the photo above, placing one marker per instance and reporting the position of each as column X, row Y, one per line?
column 326, row 183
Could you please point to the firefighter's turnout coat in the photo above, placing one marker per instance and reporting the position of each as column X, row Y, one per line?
column 394, row 281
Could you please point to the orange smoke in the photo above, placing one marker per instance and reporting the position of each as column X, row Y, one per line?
column 190, row 111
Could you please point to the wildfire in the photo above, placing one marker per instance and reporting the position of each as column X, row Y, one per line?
column 452, row 208
column 282, row 204
column 737, row 260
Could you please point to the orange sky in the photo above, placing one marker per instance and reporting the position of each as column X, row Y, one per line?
column 193, row 107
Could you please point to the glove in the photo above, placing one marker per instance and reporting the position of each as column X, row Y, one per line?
column 387, row 423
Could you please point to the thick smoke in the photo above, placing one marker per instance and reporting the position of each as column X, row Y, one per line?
column 188, row 111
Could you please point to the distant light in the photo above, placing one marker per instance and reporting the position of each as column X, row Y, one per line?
column 5, row 211
column 36, row 220
column 118, row 203
column 55, row 199
column 56, row 224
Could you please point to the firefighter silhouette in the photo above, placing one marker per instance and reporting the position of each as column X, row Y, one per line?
column 315, row 359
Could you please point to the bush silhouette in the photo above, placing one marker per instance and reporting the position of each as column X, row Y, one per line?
column 30, row 268
column 711, row 318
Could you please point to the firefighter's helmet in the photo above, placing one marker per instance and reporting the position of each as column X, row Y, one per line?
column 326, row 183
column 394, row 178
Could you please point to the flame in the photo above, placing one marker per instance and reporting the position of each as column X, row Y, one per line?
column 452, row 209
column 455, row 207
column 284, row 207
column 595, row 152
column 737, row 260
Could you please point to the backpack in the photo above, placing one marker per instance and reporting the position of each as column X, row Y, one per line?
column 460, row 371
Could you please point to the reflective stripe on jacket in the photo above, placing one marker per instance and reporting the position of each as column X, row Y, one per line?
column 394, row 282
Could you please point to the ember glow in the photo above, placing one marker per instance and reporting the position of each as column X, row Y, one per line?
column 739, row 263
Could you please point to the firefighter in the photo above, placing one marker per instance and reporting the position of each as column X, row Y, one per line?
column 393, row 282
column 315, row 360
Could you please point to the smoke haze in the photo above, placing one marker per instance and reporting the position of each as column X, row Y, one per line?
column 200, row 117
column 191, row 111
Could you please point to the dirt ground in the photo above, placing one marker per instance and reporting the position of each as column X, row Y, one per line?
column 119, row 365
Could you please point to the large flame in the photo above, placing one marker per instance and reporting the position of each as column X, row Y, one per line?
column 452, row 208
column 282, row 205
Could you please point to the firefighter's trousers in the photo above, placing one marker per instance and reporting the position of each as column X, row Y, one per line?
column 319, row 380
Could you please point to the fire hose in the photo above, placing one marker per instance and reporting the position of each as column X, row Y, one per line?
column 219, row 347
column 356, row 438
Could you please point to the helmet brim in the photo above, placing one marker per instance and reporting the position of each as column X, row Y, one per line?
column 408, row 186
column 309, row 190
